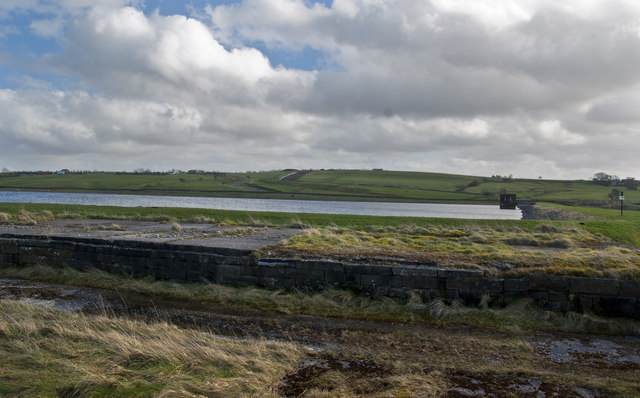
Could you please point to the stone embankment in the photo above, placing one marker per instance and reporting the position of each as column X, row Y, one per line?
column 190, row 260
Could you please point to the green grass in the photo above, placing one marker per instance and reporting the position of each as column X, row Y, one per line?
column 623, row 228
column 367, row 185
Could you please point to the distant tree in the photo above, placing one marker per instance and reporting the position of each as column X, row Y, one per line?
column 602, row 178
column 631, row 183
column 6, row 170
column 614, row 195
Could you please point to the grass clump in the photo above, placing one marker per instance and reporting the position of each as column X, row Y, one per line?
column 49, row 354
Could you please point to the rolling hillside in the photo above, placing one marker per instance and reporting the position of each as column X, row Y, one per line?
column 365, row 185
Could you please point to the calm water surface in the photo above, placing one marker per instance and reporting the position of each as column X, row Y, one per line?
column 487, row 212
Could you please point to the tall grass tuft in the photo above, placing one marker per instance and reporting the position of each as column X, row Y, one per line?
column 57, row 354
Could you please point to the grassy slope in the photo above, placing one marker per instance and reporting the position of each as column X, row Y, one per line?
column 324, row 184
column 623, row 228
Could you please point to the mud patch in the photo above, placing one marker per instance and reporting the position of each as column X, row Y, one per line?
column 56, row 297
column 597, row 353
column 474, row 384
column 362, row 377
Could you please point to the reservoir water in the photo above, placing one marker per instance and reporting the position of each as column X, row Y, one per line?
column 487, row 212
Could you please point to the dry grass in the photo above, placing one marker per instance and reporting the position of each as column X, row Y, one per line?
column 48, row 353
column 499, row 250
column 202, row 220
column 112, row 227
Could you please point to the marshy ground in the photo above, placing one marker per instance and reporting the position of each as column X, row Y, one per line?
column 94, row 342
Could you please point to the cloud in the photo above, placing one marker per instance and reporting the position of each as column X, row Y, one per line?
column 533, row 87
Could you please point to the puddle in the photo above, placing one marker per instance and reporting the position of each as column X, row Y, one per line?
column 55, row 297
column 599, row 353
column 476, row 384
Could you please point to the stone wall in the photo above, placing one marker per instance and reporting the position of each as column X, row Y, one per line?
column 610, row 297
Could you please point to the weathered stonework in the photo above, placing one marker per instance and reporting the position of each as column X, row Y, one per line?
column 237, row 267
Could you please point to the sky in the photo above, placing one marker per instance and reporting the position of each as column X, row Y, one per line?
column 529, row 88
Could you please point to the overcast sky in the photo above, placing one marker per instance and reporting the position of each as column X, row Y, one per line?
column 525, row 87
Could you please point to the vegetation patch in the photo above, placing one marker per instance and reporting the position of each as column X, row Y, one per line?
column 49, row 353
column 442, row 350
column 508, row 250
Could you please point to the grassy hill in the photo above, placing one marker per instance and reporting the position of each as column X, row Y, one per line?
column 365, row 185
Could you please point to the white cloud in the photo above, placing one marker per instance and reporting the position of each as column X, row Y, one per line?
column 536, row 87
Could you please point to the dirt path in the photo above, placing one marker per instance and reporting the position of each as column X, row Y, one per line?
column 456, row 361
column 192, row 234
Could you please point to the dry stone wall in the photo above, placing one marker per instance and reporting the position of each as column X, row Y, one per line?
column 610, row 297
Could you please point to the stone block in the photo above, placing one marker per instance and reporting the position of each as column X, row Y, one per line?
column 597, row 286
column 319, row 265
column 9, row 247
column 351, row 279
column 58, row 261
column 8, row 259
column 538, row 295
column 549, row 282
column 476, row 285
column 223, row 270
column 195, row 276
column 334, row 277
column 271, row 272
column 585, row 303
column 375, row 270
column 629, row 288
column 516, row 285
column 558, row 296
column 418, row 282
column 295, row 273
column 415, row 272
column 615, row 306
column 381, row 280
column 27, row 259
column 459, row 273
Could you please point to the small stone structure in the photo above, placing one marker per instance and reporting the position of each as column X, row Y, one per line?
column 237, row 267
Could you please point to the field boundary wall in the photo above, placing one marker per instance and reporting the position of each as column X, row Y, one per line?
column 609, row 297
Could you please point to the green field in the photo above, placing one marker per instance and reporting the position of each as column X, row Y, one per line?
column 365, row 185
